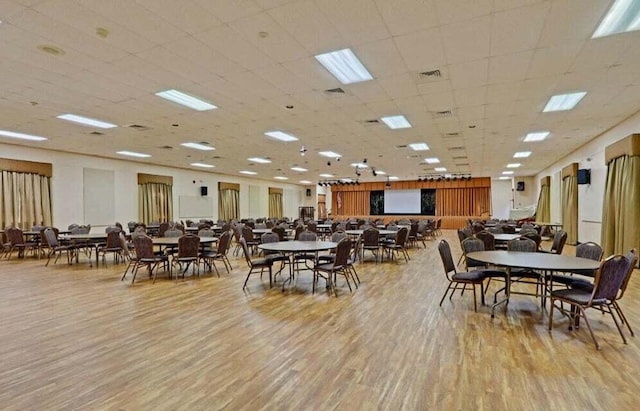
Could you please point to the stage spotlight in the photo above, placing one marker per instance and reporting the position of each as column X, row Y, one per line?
column 373, row 170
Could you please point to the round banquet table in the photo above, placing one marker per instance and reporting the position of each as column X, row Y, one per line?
column 294, row 247
column 535, row 261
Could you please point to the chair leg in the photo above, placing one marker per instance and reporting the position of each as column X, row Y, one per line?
column 445, row 293
column 623, row 319
column 615, row 320
column 475, row 304
column 586, row 320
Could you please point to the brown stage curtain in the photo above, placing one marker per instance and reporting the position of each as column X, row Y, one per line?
column 275, row 205
column 155, row 202
column 25, row 199
column 351, row 203
column 472, row 201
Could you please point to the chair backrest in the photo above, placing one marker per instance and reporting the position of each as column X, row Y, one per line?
column 123, row 243
column 471, row 245
column 589, row 250
column 342, row 252
column 162, row 228
column 447, row 260
column 534, row 236
column 523, row 244
column 632, row 256
column 113, row 239
column 401, row 237
column 138, row 231
column 495, row 230
column 247, row 233
column 245, row 251
column 50, row 237
column 267, row 238
column 188, row 246
column 413, row 231
column 299, row 229
column 337, row 236
column 307, row 235
column 609, row 278
column 143, row 245
column 488, row 239
column 559, row 239
column 206, row 233
column 224, row 242
column 172, row 233
column 311, row 226
column 370, row 237
column 477, row 227
column 280, row 232
column 15, row 236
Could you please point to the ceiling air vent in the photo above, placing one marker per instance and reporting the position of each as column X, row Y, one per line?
column 454, row 148
column 462, row 164
column 96, row 133
column 432, row 74
column 460, row 158
column 400, row 146
column 138, row 127
column 442, row 114
column 335, row 91
column 452, row 134
column 167, row 147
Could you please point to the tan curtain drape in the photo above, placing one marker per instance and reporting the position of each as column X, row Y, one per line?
column 351, row 203
column 621, row 207
column 228, row 204
column 275, row 205
column 26, row 200
column 471, row 201
column 570, row 208
column 155, row 202
column 543, row 209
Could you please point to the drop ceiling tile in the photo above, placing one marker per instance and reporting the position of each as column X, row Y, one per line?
column 421, row 51
column 518, row 29
column 407, row 16
column 453, row 11
column 230, row 10
column 469, row 74
column 227, row 42
column 467, row 41
column 358, row 20
column 399, row 86
column 309, row 26
column 509, row 67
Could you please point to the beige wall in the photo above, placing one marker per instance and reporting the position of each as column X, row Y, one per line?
column 68, row 190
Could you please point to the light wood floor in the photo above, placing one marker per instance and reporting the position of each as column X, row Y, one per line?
column 74, row 337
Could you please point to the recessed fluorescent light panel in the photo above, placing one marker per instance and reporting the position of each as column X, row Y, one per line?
column 185, row 100
column 504, row 178
column 281, row 178
column 86, row 121
column 419, row 146
column 394, row 122
column 345, row 66
column 513, row 165
column 393, row 178
column 21, row 136
column 537, row 136
column 326, row 175
column 247, row 172
column 507, row 173
column 329, row 154
column 202, row 165
column 259, row 160
column 432, row 160
column 300, row 169
column 562, row 102
column 359, row 165
column 282, row 136
column 133, row 154
column 522, row 154
column 305, row 182
column 381, row 173
column 198, row 146
column 440, row 169
column 623, row 16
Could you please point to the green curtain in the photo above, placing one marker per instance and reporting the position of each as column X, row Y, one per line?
column 228, row 204
column 543, row 210
column 275, row 205
column 621, row 207
column 25, row 200
column 155, row 202
column 570, row 208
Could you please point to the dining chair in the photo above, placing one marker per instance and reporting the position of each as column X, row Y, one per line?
column 371, row 242
column 608, row 281
column 526, row 275
column 145, row 257
column 112, row 246
column 588, row 250
column 397, row 246
column 455, row 278
column 262, row 264
column 50, row 238
column 329, row 271
column 209, row 256
column 188, row 253
column 559, row 240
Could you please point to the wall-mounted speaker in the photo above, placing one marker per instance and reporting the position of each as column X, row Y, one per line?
column 308, row 192
column 520, row 186
column 204, row 190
